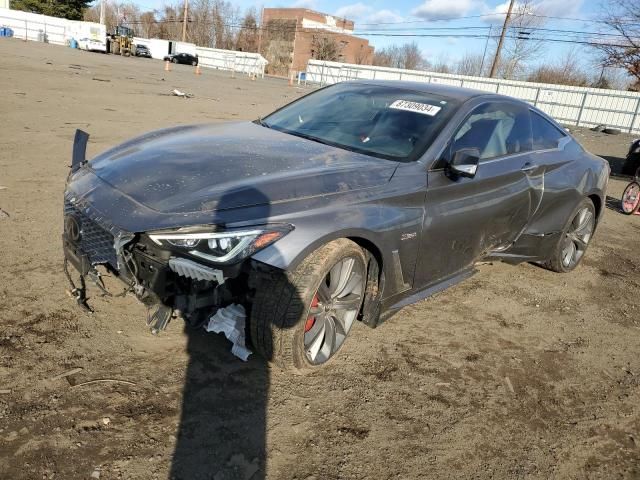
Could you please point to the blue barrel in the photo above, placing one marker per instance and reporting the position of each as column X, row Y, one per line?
column 3, row 32
column 8, row 31
column 73, row 43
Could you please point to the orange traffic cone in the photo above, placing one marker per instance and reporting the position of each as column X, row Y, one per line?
column 167, row 66
column 198, row 72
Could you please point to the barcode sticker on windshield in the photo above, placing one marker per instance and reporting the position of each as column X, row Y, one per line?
column 416, row 107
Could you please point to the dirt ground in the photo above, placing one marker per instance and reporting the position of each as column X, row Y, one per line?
column 516, row 373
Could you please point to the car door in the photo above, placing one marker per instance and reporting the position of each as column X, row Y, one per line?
column 468, row 217
column 558, row 156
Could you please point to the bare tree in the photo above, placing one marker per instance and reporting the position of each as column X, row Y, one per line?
column 170, row 27
column 127, row 14
column 385, row 57
column 200, row 28
column 623, row 17
column 407, row 56
column 277, row 45
column 566, row 71
column 469, row 64
column 325, row 47
column 411, row 56
column 148, row 26
column 363, row 56
column 442, row 65
column 522, row 43
column 248, row 34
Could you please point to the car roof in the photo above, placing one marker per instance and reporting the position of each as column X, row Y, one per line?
column 456, row 93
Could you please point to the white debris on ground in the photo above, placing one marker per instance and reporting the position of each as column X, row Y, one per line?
column 179, row 93
column 231, row 321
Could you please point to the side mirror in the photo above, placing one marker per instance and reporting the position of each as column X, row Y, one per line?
column 465, row 162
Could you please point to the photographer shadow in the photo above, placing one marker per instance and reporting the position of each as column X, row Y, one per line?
column 222, row 430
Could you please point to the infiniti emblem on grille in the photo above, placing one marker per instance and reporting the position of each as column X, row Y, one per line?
column 72, row 228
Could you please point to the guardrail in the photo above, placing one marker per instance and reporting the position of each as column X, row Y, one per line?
column 580, row 106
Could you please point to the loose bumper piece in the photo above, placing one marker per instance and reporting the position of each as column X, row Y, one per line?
column 190, row 269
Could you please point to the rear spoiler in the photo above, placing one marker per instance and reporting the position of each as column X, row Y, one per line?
column 79, row 155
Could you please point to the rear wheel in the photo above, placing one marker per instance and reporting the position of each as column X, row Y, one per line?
column 300, row 319
column 630, row 201
column 574, row 239
column 174, row 60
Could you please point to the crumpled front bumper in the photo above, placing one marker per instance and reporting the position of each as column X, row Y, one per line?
column 162, row 281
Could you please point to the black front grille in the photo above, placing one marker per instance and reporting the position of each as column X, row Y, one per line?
column 96, row 242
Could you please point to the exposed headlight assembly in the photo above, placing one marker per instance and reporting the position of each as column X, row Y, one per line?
column 222, row 247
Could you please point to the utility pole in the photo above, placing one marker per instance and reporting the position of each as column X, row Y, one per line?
column 102, row 11
column 184, row 21
column 496, row 59
column 260, row 30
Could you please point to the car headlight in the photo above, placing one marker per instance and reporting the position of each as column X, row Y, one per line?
column 221, row 247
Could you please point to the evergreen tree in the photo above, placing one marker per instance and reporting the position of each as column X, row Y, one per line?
column 71, row 9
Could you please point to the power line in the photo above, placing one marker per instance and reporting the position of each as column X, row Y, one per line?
column 389, row 33
column 628, row 21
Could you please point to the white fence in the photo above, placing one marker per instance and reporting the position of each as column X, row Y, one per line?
column 31, row 26
column 569, row 105
column 244, row 62
column 42, row 28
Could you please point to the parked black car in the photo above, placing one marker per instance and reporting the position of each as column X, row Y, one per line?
column 184, row 58
column 345, row 205
column 143, row 51
column 631, row 165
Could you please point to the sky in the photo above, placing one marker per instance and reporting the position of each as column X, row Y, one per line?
column 432, row 16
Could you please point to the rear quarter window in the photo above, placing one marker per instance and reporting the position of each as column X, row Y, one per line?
column 545, row 134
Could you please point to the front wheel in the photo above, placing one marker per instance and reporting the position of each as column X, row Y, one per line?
column 174, row 60
column 300, row 319
column 574, row 239
column 630, row 201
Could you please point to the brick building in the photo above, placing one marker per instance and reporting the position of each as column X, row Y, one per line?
column 292, row 36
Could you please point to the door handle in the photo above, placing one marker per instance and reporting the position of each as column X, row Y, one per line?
column 528, row 167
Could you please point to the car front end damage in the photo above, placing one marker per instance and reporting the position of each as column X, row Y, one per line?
column 189, row 271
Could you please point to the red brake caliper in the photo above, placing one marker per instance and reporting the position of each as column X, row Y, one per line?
column 311, row 320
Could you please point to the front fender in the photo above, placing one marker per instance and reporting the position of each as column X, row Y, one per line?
column 393, row 230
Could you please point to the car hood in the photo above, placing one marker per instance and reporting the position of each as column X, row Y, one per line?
column 232, row 165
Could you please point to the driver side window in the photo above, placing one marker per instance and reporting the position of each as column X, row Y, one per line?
column 496, row 130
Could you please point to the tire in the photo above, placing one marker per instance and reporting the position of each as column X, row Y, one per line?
column 173, row 60
column 631, row 165
column 630, row 200
column 612, row 131
column 578, row 237
column 636, row 175
column 282, row 327
column 194, row 63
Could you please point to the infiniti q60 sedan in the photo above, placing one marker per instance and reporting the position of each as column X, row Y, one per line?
column 347, row 204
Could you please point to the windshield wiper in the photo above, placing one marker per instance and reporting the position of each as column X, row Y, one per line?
column 312, row 138
column 262, row 123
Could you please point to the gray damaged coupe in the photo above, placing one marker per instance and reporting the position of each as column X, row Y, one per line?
column 345, row 205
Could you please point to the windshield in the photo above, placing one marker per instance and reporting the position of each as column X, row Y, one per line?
column 381, row 121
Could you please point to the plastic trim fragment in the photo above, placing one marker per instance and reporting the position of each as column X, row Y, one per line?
column 194, row 270
column 231, row 321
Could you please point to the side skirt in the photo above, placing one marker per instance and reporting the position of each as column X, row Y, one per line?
column 425, row 293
